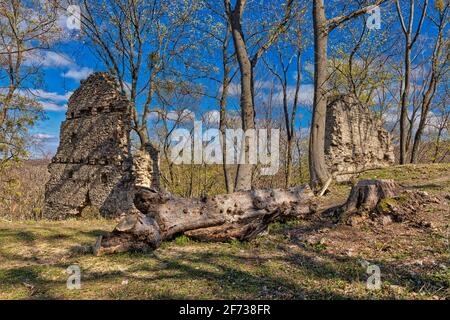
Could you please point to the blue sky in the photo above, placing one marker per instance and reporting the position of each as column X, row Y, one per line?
column 63, row 68
column 70, row 62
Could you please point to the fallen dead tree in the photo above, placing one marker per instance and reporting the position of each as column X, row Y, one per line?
column 241, row 215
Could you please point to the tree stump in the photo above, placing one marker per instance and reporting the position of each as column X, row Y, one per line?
column 384, row 201
column 240, row 215
column 366, row 194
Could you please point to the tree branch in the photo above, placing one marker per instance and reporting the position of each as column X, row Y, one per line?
column 337, row 21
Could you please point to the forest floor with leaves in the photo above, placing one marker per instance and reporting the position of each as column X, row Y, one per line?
column 300, row 259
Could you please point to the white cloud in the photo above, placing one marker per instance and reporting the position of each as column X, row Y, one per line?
column 51, row 106
column 309, row 68
column 153, row 115
column 305, row 95
column 77, row 74
column 391, row 117
column 43, row 136
column 49, row 101
column 181, row 116
column 53, row 96
column 234, row 89
column 51, row 59
column 303, row 133
column 264, row 84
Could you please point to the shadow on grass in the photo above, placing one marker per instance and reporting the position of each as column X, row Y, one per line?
column 303, row 273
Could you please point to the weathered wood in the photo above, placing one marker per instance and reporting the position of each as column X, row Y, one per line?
column 366, row 194
column 384, row 201
column 241, row 215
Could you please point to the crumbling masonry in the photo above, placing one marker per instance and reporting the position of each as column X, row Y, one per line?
column 355, row 140
column 92, row 166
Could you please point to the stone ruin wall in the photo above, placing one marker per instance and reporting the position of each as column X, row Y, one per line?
column 92, row 166
column 354, row 140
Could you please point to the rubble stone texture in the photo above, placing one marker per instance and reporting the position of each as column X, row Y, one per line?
column 355, row 140
column 92, row 166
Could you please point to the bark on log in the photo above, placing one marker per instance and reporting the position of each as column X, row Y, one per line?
column 240, row 215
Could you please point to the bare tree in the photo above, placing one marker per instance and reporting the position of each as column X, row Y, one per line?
column 439, row 66
column 289, row 52
column 358, row 63
column 247, row 64
column 27, row 28
column 410, row 39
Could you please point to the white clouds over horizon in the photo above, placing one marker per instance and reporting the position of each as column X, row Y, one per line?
column 50, row 101
column 51, row 106
column 48, row 59
column 53, row 96
column 52, row 59
column 53, row 101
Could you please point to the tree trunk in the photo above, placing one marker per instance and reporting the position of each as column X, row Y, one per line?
column 291, row 127
column 288, row 162
column 223, row 109
column 423, row 118
column 241, row 215
column 404, row 104
column 319, row 174
column 410, row 39
column 437, row 145
column 156, row 174
column 431, row 91
column 317, row 167
column 289, row 132
column 244, row 171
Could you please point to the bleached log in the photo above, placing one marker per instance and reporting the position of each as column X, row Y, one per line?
column 240, row 215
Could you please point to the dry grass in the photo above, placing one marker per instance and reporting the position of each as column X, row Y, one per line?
column 22, row 190
column 295, row 260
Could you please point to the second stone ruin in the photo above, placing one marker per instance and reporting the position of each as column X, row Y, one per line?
column 355, row 140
